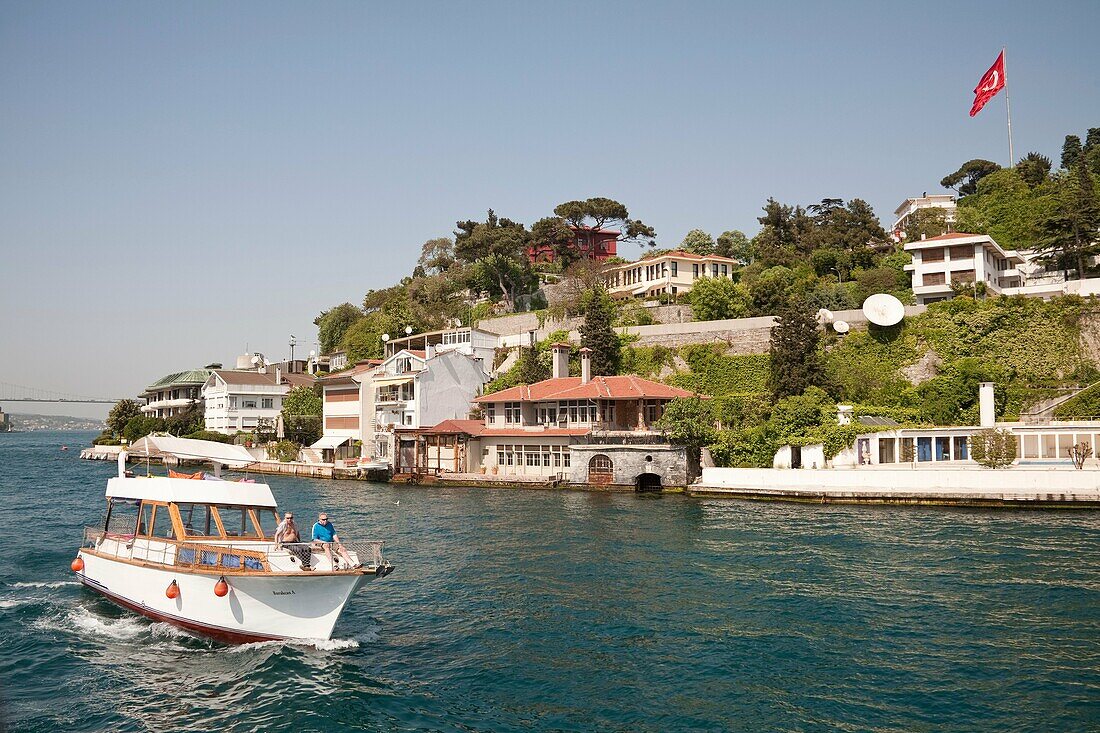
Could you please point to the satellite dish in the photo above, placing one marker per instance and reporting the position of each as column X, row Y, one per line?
column 385, row 337
column 255, row 360
column 824, row 316
column 883, row 309
column 312, row 353
column 841, row 327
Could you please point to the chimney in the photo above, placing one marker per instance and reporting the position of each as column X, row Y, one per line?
column 429, row 351
column 987, row 417
column 923, row 237
column 586, row 365
column 278, row 375
column 560, row 360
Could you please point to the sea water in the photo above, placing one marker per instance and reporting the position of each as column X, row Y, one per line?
column 526, row 610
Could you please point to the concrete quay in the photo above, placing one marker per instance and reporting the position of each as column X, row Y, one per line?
column 1020, row 486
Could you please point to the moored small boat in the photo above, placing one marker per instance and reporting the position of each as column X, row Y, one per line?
column 201, row 555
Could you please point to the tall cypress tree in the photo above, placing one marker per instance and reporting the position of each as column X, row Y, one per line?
column 796, row 361
column 1069, row 233
column 597, row 333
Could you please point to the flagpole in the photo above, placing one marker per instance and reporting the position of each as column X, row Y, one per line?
column 1008, row 107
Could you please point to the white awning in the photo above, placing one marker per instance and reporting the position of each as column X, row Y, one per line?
column 192, row 450
column 186, row 491
column 387, row 381
column 329, row 442
column 641, row 290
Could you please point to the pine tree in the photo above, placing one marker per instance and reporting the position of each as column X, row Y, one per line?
column 796, row 361
column 1069, row 233
column 1071, row 151
column 597, row 333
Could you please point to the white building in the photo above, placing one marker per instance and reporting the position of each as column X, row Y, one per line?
column 910, row 206
column 672, row 273
column 963, row 258
column 237, row 400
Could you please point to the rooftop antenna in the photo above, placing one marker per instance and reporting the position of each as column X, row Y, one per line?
column 293, row 341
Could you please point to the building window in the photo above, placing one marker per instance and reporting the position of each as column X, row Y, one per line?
column 924, row 449
column 512, row 412
column 725, row 270
column 695, row 271
column 404, row 364
column 673, row 266
column 248, row 404
column 962, row 276
column 943, row 449
column 600, row 469
column 932, row 255
column 491, row 413
column 714, row 269
column 961, row 453
column 934, row 278
column 267, row 403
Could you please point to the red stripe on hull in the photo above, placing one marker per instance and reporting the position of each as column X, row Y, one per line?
column 214, row 632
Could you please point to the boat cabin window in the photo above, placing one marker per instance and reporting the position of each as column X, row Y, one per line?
column 145, row 520
column 122, row 517
column 268, row 519
column 162, row 523
column 236, row 522
column 197, row 520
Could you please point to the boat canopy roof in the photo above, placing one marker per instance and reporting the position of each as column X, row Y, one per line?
column 187, row 491
column 189, row 449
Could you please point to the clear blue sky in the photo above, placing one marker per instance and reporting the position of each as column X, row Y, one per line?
column 178, row 180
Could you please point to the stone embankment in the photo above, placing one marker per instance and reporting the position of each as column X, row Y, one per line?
column 1020, row 486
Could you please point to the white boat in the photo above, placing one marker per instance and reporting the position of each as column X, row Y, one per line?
column 200, row 554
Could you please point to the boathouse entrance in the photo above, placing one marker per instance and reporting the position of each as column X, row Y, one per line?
column 647, row 482
column 600, row 470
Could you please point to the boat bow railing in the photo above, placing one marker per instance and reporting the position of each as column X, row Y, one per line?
column 227, row 556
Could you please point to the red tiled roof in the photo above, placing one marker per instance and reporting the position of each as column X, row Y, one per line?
column 360, row 367
column 521, row 433
column 624, row 387
column 467, row 427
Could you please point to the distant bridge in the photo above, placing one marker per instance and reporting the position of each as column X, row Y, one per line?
column 20, row 393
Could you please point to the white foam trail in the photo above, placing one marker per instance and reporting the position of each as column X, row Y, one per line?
column 324, row 645
column 15, row 603
column 44, row 584
column 83, row 621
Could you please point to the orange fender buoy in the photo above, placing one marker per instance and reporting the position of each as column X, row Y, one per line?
column 173, row 590
column 221, row 588
column 78, row 564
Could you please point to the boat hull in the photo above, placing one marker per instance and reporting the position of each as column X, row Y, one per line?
column 257, row 607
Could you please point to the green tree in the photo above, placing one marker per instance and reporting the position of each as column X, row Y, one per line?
column 597, row 333
column 1069, row 233
column 718, row 298
column 771, row 290
column 437, row 255
column 736, row 245
column 553, row 233
column 596, row 213
column 302, row 408
column 141, row 425
column 121, row 414
column 1092, row 150
column 965, row 179
column 698, row 242
column 1034, row 169
column 189, row 421
column 929, row 222
column 795, row 359
column 1071, row 152
column 688, row 421
column 993, row 448
column 334, row 323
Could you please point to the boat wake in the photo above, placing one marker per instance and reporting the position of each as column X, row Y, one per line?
column 44, row 584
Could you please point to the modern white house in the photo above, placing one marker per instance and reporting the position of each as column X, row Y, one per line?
column 413, row 389
column 238, row 400
column 910, row 206
column 174, row 393
column 672, row 273
column 962, row 258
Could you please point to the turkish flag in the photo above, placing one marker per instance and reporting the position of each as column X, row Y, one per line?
column 992, row 82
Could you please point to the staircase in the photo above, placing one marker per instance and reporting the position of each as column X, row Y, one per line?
column 309, row 455
column 1043, row 410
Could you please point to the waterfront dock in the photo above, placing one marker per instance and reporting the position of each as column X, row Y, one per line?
column 1046, row 487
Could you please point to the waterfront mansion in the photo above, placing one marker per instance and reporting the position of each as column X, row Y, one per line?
column 670, row 274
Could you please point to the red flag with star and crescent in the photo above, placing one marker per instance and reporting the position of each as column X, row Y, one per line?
column 992, row 82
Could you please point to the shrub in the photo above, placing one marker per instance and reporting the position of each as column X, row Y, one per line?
column 210, row 435
column 993, row 448
column 284, row 451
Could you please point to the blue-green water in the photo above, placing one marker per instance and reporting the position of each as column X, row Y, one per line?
column 569, row 611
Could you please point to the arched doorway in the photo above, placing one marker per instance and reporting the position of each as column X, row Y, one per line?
column 647, row 482
column 600, row 469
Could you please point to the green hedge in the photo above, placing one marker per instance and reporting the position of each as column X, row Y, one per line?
column 716, row 373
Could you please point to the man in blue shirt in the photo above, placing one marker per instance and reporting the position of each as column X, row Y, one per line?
column 324, row 535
